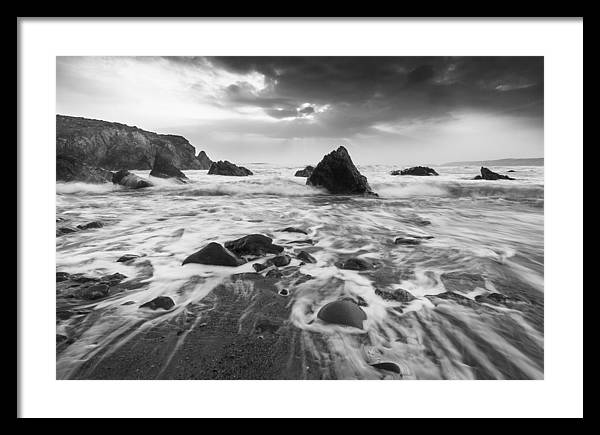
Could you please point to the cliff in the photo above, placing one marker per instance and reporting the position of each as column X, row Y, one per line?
column 117, row 146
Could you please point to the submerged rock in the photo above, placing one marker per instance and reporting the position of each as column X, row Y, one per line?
column 355, row 263
column 69, row 168
column 216, row 255
column 416, row 170
column 399, row 295
column 127, row 257
column 254, row 245
column 164, row 168
column 407, row 241
column 62, row 276
column 227, row 168
column 388, row 366
column 486, row 174
column 161, row 302
column 343, row 312
column 127, row 179
column 306, row 257
column 338, row 175
column 89, row 225
column 306, row 172
column 203, row 160
column 293, row 230
column 65, row 230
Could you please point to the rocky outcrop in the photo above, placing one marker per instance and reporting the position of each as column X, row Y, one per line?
column 127, row 179
column 227, row 168
column 214, row 254
column 69, row 168
column 163, row 168
column 116, row 146
column 203, row 160
column 486, row 174
column 416, row 170
column 337, row 173
column 306, row 172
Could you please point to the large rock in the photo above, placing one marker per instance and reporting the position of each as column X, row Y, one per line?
column 227, row 168
column 163, row 168
column 69, row 168
column 416, row 170
column 216, row 255
column 203, row 160
column 127, row 179
column 253, row 245
column 306, row 172
column 486, row 174
column 117, row 146
column 343, row 312
column 337, row 174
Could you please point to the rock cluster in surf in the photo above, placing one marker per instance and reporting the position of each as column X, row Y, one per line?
column 127, row 179
column 225, row 167
column 163, row 168
column 486, row 174
column 416, row 170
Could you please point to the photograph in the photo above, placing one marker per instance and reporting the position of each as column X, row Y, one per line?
column 300, row 217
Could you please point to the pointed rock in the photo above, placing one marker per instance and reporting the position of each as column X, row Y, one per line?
column 216, row 255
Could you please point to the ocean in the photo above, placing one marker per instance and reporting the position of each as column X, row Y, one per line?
column 476, row 275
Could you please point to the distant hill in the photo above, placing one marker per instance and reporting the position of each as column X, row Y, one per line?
column 115, row 146
column 537, row 161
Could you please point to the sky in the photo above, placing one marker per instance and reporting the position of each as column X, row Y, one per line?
column 293, row 110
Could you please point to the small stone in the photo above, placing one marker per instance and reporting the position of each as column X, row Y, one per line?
column 161, row 302
column 284, row 292
column 127, row 257
column 388, row 366
column 89, row 225
column 407, row 241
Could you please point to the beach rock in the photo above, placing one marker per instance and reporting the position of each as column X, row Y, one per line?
column 259, row 267
column 274, row 273
column 216, row 255
column 407, row 241
column 203, row 160
column 511, row 170
column 161, row 302
column 343, row 312
column 62, row 276
column 399, row 295
column 94, row 292
column 127, row 179
column 338, row 175
column 293, row 230
column 253, row 245
column 279, row 260
column 355, row 264
column 114, row 146
column 163, row 168
column 306, row 257
column 65, row 230
column 69, row 168
column 306, row 172
column 486, row 174
column 89, row 225
column 227, row 168
column 127, row 257
column 416, row 170
column 494, row 298
column 388, row 366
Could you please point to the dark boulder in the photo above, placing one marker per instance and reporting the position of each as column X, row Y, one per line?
column 89, row 225
column 161, row 302
column 306, row 172
column 274, row 273
column 511, row 170
column 69, row 168
column 279, row 260
column 127, row 179
column 486, row 174
column 65, row 230
column 355, row 264
column 306, row 257
column 216, row 255
column 253, row 245
column 259, row 267
column 343, row 312
column 62, row 276
column 338, row 175
column 203, row 160
column 227, row 168
column 164, row 168
column 416, row 170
